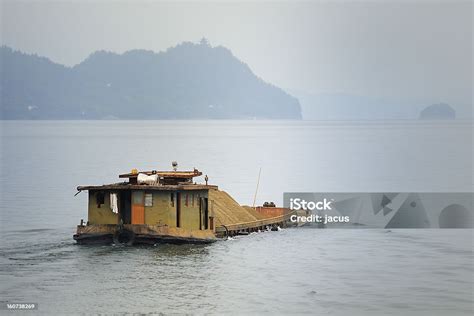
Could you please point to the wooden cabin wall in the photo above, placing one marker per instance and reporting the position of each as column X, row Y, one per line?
column 102, row 215
column 163, row 211
column 190, row 213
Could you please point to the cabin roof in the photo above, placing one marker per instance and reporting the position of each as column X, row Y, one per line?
column 166, row 174
column 158, row 187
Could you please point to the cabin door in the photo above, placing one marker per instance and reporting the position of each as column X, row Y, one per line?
column 205, row 206
column 126, row 206
column 178, row 209
column 203, row 213
column 138, row 207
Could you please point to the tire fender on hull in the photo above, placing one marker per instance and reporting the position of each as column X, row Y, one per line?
column 124, row 237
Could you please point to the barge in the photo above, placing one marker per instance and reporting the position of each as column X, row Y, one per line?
column 153, row 207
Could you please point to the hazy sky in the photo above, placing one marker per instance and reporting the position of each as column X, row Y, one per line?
column 403, row 49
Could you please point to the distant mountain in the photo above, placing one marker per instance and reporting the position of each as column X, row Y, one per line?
column 441, row 111
column 189, row 81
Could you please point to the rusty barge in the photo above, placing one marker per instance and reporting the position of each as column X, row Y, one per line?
column 168, row 207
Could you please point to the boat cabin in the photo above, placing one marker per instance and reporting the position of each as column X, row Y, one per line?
column 153, row 207
column 152, row 198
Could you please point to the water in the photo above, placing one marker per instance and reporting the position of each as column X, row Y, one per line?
column 357, row 271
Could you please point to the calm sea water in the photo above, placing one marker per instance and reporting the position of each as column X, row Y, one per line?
column 340, row 271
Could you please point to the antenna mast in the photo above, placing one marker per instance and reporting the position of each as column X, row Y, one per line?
column 256, row 190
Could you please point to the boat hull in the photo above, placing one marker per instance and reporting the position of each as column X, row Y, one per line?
column 141, row 234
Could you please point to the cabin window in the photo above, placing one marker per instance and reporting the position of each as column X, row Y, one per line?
column 148, row 199
column 172, row 199
column 100, row 198
column 186, row 202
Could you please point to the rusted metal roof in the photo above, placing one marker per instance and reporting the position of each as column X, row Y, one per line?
column 166, row 174
column 128, row 186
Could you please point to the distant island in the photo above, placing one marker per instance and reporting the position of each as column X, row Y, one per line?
column 441, row 111
column 188, row 81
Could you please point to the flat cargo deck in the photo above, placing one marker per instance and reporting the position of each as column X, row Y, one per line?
column 232, row 218
column 262, row 224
